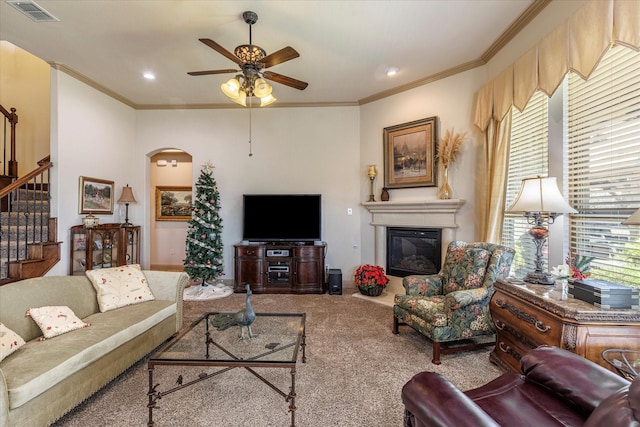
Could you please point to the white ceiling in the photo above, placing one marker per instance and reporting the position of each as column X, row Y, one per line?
column 344, row 46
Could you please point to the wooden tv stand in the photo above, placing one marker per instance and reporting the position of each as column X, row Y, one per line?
column 280, row 268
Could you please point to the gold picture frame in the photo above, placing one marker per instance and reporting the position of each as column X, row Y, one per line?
column 409, row 154
column 96, row 196
column 173, row 203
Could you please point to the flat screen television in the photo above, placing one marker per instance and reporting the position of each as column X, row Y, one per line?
column 282, row 217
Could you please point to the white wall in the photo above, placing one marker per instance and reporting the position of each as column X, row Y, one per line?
column 295, row 150
column 92, row 135
column 451, row 100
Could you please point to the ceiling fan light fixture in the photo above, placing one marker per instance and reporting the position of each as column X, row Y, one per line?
column 269, row 99
column 262, row 88
column 250, row 53
column 240, row 99
column 231, row 88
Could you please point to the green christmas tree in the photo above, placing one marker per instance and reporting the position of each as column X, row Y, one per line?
column 204, row 236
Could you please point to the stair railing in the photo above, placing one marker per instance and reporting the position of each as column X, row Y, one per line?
column 25, row 218
column 9, row 164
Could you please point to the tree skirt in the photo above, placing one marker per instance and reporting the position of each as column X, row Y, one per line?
column 207, row 292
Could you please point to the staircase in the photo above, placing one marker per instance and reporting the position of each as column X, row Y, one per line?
column 28, row 235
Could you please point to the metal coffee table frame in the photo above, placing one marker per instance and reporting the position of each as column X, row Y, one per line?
column 233, row 361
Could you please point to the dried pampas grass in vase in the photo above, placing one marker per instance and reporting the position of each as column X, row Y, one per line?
column 448, row 150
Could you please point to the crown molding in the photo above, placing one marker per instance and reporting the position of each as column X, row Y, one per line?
column 421, row 82
column 86, row 80
column 523, row 20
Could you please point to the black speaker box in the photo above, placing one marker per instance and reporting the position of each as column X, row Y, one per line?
column 335, row 281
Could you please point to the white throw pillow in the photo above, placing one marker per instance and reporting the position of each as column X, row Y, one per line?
column 55, row 320
column 120, row 286
column 9, row 341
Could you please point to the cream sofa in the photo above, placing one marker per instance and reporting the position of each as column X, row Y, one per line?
column 44, row 379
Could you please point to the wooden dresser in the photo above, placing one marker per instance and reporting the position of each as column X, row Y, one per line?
column 527, row 315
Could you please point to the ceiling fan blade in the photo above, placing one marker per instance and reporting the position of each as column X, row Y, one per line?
column 207, row 72
column 222, row 51
column 283, row 55
column 288, row 81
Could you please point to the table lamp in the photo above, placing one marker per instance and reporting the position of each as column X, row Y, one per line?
column 125, row 198
column 541, row 202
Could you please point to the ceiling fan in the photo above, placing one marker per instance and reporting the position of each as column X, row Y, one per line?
column 252, row 60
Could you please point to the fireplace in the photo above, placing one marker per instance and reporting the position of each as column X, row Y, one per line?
column 421, row 214
column 413, row 251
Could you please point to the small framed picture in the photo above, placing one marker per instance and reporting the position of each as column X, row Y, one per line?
column 96, row 196
column 409, row 154
column 173, row 203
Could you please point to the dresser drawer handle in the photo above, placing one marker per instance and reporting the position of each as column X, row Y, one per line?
column 542, row 327
column 499, row 325
column 523, row 315
column 508, row 350
column 503, row 347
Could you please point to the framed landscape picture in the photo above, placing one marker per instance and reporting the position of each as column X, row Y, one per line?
column 96, row 196
column 173, row 203
column 409, row 154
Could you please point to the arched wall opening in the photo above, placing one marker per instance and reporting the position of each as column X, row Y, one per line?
column 170, row 173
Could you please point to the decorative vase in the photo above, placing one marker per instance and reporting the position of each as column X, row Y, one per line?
column 384, row 196
column 444, row 192
column 372, row 292
column 564, row 289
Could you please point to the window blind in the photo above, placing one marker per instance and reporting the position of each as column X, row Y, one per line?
column 604, row 165
column 528, row 158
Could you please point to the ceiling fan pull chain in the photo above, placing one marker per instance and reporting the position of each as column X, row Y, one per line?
column 250, row 153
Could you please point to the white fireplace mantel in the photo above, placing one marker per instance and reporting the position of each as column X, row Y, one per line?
column 434, row 213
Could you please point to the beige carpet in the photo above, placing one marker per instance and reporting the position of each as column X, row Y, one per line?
column 354, row 374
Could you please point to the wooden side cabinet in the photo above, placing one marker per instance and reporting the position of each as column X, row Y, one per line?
column 280, row 268
column 527, row 316
column 103, row 246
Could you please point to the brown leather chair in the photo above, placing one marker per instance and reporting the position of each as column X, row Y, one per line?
column 557, row 388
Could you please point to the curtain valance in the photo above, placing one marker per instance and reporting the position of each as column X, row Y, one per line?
column 577, row 45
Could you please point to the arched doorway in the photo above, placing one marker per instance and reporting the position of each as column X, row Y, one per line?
column 170, row 176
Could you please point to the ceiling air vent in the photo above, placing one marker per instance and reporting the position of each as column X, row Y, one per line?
column 33, row 10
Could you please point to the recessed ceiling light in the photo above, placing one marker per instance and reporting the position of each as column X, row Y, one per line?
column 149, row 76
column 392, row 71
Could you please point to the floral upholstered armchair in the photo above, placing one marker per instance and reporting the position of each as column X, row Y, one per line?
column 451, row 308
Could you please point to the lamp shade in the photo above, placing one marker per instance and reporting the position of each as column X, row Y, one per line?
column 231, row 88
column 269, row 99
column 633, row 219
column 241, row 98
column 262, row 88
column 372, row 172
column 127, row 195
column 540, row 195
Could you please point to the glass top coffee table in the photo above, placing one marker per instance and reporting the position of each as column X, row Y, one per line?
column 279, row 337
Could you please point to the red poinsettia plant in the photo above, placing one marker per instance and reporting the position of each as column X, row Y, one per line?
column 369, row 276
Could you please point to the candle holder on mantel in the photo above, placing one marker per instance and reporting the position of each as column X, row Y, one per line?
column 372, row 172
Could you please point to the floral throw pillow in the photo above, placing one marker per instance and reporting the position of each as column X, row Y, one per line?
column 9, row 341
column 120, row 286
column 55, row 320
